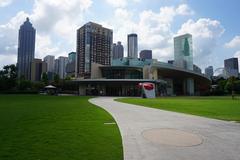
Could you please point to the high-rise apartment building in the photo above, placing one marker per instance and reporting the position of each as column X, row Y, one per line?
column 183, row 51
column 50, row 63
column 26, row 49
column 117, row 51
column 146, row 54
column 231, row 67
column 38, row 67
column 209, row 71
column 132, row 45
column 94, row 44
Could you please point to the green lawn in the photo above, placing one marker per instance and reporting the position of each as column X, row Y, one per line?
column 213, row 107
column 34, row 127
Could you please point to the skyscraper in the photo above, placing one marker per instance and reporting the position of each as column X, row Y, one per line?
column 132, row 46
column 209, row 71
column 146, row 54
column 56, row 66
column 183, row 58
column 231, row 67
column 71, row 57
column 38, row 67
column 26, row 49
column 183, row 51
column 60, row 66
column 94, row 44
column 70, row 68
column 50, row 63
column 117, row 51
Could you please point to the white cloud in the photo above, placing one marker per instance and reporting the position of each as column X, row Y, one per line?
column 237, row 55
column 184, row 9
column 4, row 3
column 60, row 10
column 117, row 3
column 7, row 59
column 9, row 34
column 234, row 43
column 153, row 28
column 120, row 3
column 205, row 34
column 56, row 19
column 44, row 46
column 56, row 23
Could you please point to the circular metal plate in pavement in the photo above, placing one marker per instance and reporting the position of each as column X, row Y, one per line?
column 172, row 137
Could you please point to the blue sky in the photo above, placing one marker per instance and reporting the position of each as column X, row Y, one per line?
column 214, row 25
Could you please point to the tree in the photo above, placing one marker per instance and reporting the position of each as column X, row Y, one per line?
column 67, row 78
column 56, row 79
column 220, row 90
column 231, row 85
column 237, row 86
column 45, row 78
column 8, row 77
column 24, row 85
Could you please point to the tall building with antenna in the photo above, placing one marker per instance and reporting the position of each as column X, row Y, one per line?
column 26, row 49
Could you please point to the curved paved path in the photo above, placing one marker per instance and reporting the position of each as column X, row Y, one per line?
column 221, row 140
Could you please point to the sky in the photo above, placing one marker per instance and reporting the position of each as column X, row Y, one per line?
column 214, row 25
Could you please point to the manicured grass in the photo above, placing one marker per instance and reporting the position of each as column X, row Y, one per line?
column 223, row 108
column 34, row 127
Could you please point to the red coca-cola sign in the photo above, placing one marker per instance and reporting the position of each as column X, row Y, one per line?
column 148, row 86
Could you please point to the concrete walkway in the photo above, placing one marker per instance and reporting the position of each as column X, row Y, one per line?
column 143, row 130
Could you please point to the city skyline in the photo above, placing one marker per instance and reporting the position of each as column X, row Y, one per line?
column 214, row 38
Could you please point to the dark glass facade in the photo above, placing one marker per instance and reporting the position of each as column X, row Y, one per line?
column 70, row 68
column 231, row 63
column 122, row 72
column 146, row 54
column 26, row 49
column 231, row 67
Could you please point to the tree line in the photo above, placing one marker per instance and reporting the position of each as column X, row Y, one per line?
column 10, row 83
column 230, row 86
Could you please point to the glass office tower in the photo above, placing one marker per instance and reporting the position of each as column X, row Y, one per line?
column 183, row 51
column 132, row 46
column 231, row 67
column 183, row 58
column 26, row 49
